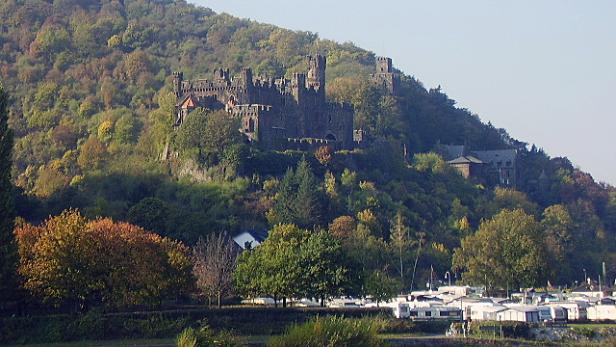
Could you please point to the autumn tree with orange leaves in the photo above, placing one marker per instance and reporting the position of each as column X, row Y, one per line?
column 69, row 261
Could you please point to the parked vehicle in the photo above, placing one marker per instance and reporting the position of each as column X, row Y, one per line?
column 435, row 312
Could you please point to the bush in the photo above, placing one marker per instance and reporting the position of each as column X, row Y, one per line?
column 204, row 337
column 187, row 338
column 331, row 332
column 389, row 325
column 506, row 329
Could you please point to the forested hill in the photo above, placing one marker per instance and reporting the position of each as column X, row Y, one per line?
column 92, row 110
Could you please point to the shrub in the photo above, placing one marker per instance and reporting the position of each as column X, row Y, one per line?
column 330, row 332
column 506, row 329
column 187, row 338
column 204, row 337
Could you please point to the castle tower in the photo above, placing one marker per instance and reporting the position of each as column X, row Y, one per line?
column 247, row 84
column 298, row 84
column 221, row 75
column 384, row 65
column 316, row 74
column 178, row 77
column 385, row 76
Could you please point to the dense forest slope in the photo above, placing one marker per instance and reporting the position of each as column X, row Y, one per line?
column 92, row 111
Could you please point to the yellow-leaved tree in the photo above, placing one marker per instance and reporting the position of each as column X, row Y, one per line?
column 69, row 261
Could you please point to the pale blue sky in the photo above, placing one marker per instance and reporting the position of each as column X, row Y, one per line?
column 545, row 69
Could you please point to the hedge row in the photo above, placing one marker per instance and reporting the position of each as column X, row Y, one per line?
column 162, row 324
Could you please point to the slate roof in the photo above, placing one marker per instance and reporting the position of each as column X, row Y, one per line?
column 466, row 159
column 493, row 157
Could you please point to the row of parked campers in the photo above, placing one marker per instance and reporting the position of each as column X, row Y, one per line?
column 403, row 310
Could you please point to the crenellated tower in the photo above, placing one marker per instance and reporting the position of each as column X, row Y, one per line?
column 385, row 75
column 316, row 74
column 178, row 78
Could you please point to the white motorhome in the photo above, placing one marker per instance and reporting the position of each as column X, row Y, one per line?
column 485, row 312
column 576, row 310
column 552, row 313
column 519, row 313
column 399, row 309
column 435, row 312
column 344, row 303
column 601, row 312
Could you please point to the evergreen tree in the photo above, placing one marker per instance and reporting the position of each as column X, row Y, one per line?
column 308, row 202
column 8, row 248
column 282, row 210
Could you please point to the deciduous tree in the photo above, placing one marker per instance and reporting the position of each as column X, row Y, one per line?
column 214, row 261
column 69, row 261
column 506, row 252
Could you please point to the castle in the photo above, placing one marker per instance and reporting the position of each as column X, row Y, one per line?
column 279, row 113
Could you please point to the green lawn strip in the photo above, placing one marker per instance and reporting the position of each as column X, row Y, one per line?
column 105, row 343
column 593, row 326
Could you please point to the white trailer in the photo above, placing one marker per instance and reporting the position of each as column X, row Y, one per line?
column 519, row 313
column 435, row 312
column 399, row 309
column 602, row 312
column 552, row 313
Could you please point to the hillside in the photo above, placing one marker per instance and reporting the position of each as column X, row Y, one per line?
column 92, row 110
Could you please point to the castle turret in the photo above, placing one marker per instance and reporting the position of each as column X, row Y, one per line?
column 298, row 84
column 316, row 74
column 222, row 75
column 385, row 75
column 178, row 78
column 247, row 77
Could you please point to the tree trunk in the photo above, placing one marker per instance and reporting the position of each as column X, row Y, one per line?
column 322, row 302
column 284, row 302
column 219, row 297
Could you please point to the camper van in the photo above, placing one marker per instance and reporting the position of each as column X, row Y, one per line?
column 399, row 309
column 435, row 312
column 552, row 314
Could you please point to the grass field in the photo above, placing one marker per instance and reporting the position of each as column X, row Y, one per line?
column 593, row 325
column 106, row 343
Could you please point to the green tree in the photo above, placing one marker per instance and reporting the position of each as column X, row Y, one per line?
column 299, row 199
column 557, row 227
column 506, row 198
column 293, row 262
column 505, row 252
column 400, row 244
column 8, row 247
column 282, row 210
column 221, row 131
column 431, row 162
column 151, row 214
column 324, row 264
column 274, row 268
column 308, row 201
column 381, row 287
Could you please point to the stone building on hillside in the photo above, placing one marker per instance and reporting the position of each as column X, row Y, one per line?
column 280, row 113
column 274, row 113
column 385, row 75
column 497, row 167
